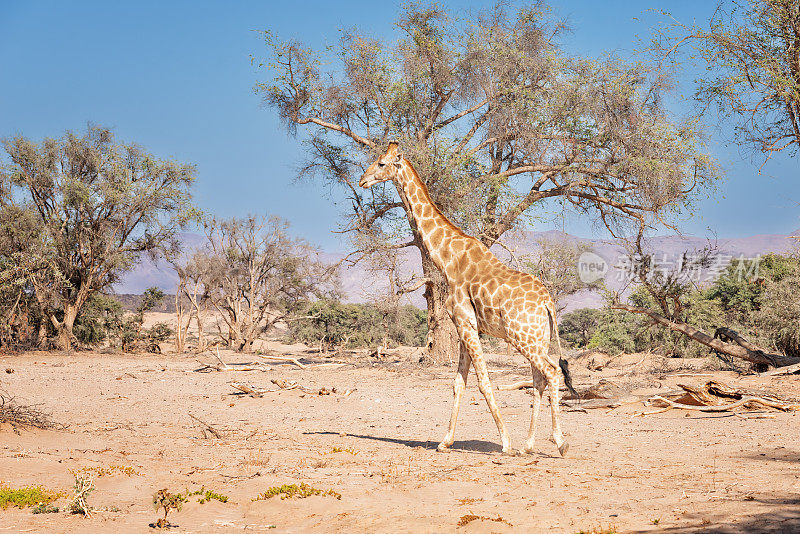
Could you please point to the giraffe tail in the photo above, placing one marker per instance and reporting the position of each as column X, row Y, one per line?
column 561, row 361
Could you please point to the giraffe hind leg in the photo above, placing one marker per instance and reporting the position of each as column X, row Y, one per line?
column 558, row 436
column 539, row 384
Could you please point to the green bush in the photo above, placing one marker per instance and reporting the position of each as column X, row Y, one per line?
column 699, row 311
column 335, row 323
column 100, row 318
column 577, row 328
column 615, row 332
column 761, row 300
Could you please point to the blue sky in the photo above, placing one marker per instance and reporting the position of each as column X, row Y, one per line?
column 176, row 77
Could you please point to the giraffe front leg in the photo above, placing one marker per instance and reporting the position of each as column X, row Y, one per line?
column 459, row 385
column 485, row 386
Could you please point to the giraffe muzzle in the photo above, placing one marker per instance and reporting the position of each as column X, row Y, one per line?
column 367, row 181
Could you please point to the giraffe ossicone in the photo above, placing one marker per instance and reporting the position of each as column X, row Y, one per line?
column 484, row 296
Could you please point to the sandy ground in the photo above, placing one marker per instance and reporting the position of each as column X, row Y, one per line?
column 675, row 471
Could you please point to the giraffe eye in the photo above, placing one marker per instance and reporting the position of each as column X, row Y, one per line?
column 381, row 164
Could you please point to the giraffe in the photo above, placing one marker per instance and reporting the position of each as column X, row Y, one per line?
column 484, row 296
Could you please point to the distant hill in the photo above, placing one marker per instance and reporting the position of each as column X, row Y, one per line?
column 359, row 284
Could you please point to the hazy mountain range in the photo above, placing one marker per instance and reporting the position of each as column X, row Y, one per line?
column 360, row 285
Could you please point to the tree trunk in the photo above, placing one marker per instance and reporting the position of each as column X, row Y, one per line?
column 442, row 339
column 41, row 337
column 179, row 332
column 201, row 345
column 65, row 335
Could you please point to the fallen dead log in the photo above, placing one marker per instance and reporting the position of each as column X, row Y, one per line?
column 731, row 349
column 728, row 407
column 785, row 370
column 522, row 384
column 282, row 359
column 714, row 396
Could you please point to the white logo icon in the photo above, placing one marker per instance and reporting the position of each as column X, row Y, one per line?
column 591, row 267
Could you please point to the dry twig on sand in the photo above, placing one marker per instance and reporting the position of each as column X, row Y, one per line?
column 249, row 390
column 207, row 428
column 282, row 359
column 19, row 416
column 291, row 384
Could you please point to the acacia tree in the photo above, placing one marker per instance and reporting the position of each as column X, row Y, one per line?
column 25, row 263
column 556, row 265
column 255, row 275
column 98, row 205
column 497, row 120
column 190, row 297
column 751, row 51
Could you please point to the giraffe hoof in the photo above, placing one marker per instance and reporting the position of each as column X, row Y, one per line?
column 511, row 452
column 443, row 448
column 563, row 448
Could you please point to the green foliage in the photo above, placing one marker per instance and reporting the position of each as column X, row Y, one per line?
column 756, row 297
column 159, row 333
column 43, row 508
column 751, row 62
column 358, row 325
column 615, row 332
column 100, row 318
column 96, row 206
column 26, row 496
column 206, row 495
column 167, row 501
column 697, row 310
column 302, row 491
column 761, row 298
column 151, row 298
column 577, row 328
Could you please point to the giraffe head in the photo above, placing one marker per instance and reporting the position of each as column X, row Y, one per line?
column 384, row 168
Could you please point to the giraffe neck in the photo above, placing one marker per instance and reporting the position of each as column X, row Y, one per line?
column 436, row 230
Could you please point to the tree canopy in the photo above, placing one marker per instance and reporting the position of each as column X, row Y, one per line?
column 95, row 206
column 495, row 117
column 751, row 53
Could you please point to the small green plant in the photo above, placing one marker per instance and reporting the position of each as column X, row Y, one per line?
column 469, row 518
column 302, row 491
column 83, row 487
column 43, row 508
column 207, row 495
column 599, row 530
column 166, row 501
column 27, row 496
column 108, row 471
column 656, row 521
column 334, row 450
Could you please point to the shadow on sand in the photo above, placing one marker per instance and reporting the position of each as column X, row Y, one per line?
column 782, row 517
column 472, row 445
